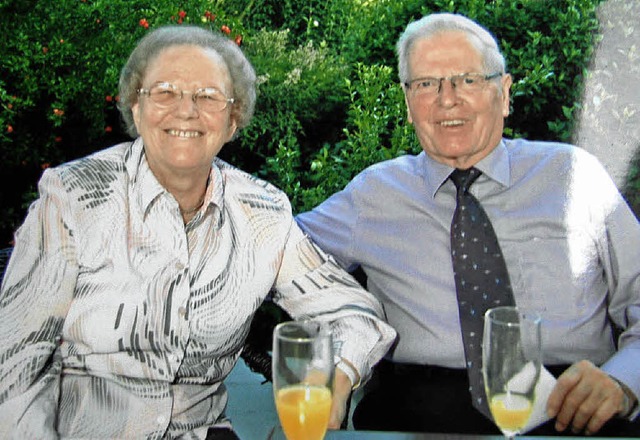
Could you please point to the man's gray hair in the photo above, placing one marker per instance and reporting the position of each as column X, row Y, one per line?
column 433, row 24
column 243, row 77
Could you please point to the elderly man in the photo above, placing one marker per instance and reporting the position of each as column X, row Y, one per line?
column 550, row 213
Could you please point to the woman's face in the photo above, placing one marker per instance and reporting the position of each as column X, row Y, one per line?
column 182, row 139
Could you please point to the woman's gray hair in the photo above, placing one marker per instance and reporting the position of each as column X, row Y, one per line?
column 243, row 76
column 433, row 24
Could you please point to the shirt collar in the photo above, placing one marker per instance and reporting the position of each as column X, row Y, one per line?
column 495, row 166
column 149, row 189
column 214, row 198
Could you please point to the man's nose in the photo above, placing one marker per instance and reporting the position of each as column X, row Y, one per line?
column 448, row 92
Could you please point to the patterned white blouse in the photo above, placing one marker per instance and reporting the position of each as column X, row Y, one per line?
column 118, row 321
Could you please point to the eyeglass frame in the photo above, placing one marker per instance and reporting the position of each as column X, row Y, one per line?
column 452, row 79
column 194, row 95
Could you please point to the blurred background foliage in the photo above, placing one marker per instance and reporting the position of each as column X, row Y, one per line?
column 329, row 103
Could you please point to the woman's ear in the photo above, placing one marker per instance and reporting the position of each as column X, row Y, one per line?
column 135, row 110
column 233, row 126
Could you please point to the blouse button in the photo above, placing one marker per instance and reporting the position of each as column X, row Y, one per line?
column 182, row 311
column 161, row 420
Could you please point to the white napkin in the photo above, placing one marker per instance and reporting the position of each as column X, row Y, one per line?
column 545, row 384
column 522, row 381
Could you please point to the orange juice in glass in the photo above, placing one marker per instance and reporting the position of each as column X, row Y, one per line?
column 304, row 411
column 303, row 378
column 511, row 411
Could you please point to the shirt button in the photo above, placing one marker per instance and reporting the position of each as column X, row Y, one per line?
column 179, row 266
column 161, row 420
column 182, row 311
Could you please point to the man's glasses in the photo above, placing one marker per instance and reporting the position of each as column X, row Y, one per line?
column 465, row 82
column 207, row 99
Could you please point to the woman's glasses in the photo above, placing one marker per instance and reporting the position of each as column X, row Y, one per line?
column 207, row 99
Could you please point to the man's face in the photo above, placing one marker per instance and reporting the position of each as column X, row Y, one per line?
column 455, row 127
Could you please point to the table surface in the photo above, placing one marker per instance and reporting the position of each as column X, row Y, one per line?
column 364, row 435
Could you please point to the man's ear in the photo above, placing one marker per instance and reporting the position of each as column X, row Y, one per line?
column 507, row 80
column 406, row 103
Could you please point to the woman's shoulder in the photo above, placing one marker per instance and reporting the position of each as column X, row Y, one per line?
column 91, row 181
column 248, row 188
column 96, row 166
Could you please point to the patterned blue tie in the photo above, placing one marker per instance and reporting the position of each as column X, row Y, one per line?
column 481, row 276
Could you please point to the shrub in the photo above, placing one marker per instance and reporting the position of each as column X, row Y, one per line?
column 300, row 101
column 329, row 102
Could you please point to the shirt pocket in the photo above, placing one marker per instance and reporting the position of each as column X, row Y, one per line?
column 559, row 277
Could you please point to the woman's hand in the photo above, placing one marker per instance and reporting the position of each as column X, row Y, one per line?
column 341, row 395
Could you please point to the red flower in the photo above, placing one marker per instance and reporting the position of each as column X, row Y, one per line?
column 45, row 165
column 182, row 14
column 108, row 98
column 10, row 106
column 225, row 29
column 238, row 39
column 58, row 139
column 208, row 15
column 45, row 49
column 58, row 112
column 9, row 129
column 179, row 21
column 108, row 129
column 144, row 23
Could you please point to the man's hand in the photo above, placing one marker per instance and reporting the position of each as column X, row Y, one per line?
column 341, row 395
column 585, row 397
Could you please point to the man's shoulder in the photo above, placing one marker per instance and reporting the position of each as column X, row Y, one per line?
column 405, row 165
column 544, row 148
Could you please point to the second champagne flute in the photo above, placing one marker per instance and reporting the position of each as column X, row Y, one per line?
column 511, row 362
column 303, row 369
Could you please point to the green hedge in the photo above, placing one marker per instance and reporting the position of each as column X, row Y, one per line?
column 329, row 101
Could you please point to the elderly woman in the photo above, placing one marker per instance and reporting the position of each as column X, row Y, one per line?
column 137, row 272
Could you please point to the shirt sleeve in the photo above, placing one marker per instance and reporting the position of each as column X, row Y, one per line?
column 310, row 285
column 618, row 247
column 36, row 292
column 332, row 225
column 623, row 275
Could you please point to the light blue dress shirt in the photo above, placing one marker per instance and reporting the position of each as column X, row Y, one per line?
column 571, row 243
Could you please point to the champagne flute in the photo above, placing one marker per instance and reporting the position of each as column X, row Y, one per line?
column 303, row 369
column 511, row 363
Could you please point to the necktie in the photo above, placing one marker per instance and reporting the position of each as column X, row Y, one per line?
column 481, row 277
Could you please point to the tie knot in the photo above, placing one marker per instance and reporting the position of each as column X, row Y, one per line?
column 463, row 179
